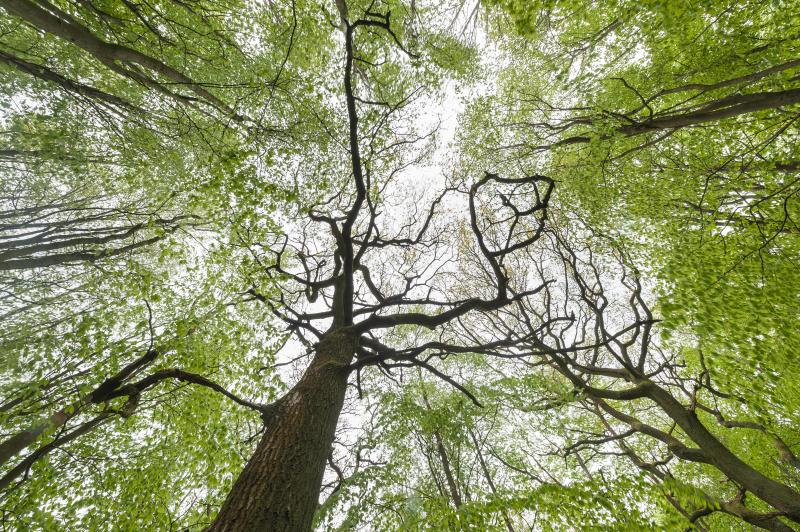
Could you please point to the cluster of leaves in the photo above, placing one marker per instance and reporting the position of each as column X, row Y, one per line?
column 606, row 98
column 150, row 163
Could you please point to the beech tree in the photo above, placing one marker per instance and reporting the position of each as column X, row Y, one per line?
column 398, row 265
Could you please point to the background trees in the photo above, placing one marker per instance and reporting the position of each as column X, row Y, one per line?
column 221, row 224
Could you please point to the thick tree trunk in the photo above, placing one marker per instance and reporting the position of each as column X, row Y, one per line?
column 278, row 490
column 780, row 496
column 731, row 106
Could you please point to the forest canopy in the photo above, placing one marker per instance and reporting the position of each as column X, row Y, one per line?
column 272, row 265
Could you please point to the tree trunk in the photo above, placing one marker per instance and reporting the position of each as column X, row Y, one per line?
column 488, row 476
column 731, row 106
column 28, row 461
column 455, row 496
column 448, row 471
column 278, row 490
column 16, row 443
column 780, row 496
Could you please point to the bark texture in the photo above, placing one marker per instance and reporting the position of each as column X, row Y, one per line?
column 278, row 490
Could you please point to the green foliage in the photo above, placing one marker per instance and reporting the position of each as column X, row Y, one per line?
column 196, row 180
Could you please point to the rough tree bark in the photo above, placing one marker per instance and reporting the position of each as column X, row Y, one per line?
column 278, row 489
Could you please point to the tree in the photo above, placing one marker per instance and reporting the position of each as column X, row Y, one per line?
column 243, row 270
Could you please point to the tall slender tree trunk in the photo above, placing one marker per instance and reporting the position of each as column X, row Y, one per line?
column 448, row 470
column 278, row 490
column 16, row 443
column 44, row 450
column 488, row 476
column 452, row 486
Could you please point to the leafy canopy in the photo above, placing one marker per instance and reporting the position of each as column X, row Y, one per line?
column 157, row 156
